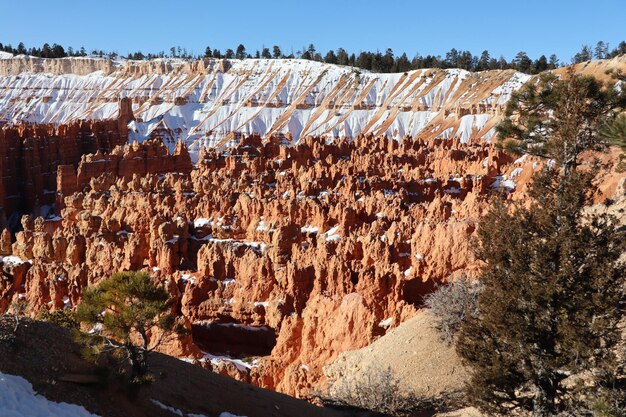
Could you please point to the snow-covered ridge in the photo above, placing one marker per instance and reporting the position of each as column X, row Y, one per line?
column 210, row 102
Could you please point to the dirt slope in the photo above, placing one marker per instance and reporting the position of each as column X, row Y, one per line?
column 44, row 353
column 414, row 353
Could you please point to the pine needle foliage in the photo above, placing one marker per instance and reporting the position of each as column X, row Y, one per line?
column 122, row 313
column 551, row 300
column 560, row 118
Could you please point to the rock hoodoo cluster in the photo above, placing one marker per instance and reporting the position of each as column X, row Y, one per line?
column 292, row 254
column 280, row 254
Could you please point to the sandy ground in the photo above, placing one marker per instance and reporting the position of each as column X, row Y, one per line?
column 414, row 353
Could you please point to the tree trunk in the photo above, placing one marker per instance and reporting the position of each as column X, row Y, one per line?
column 543, row 401
column 137, row 357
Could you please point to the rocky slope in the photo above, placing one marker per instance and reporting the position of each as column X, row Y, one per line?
column 287, row 254
column 211, row 102
column 290, row 254
column 58, row 372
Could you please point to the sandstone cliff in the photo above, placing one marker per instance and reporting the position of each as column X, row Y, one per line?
column 289, row 254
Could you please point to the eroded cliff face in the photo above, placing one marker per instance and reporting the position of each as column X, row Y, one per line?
column 291, row 249
column 30, row 155
column 212, row 102
column 294, row 254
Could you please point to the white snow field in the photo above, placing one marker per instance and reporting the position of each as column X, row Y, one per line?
column 209, row 102
column 18, row 399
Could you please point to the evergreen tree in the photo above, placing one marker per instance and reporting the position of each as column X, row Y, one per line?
column 402, row 63
column 585, row 54
column 601, row 50
column 208, row 52
column 266, row 53
column 241, row 52
column 483, row 61
column 342, row 57
column 229, row 54
column 553, row 284
column 540, row 65
column 276, row 52
column 331, row 58
column 46, row 51
column 452, row 58
column 551, row 300
column 559, row 118
column 522, row 62
column 554, row 62
column 121, row 311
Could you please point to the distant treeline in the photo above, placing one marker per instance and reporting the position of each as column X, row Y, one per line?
column 373, row 61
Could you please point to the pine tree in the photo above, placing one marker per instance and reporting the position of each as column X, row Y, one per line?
column 125, row 308
column 559, row 118
column 276, row 52
column 601, row 50
column 241, row 52
column 342, row 57
column 331, row 58
column 522, row 62
column 551, row 300
column 208, row 52
column 553, row 284
column 540, row 65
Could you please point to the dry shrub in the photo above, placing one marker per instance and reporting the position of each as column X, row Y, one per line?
column 451, row 304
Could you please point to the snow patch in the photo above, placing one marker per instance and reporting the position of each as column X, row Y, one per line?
column 18, row 399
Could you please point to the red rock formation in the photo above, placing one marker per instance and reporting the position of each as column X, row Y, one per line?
column 31, row 154
column 322, row 245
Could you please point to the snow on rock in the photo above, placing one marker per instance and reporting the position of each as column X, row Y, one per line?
column 18, row 399
column 210, row 102
column 11, row 260
column 172, row 410
column 332, row 234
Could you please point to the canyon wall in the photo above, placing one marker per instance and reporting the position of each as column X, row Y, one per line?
column 282, row 248
column 31, row 154
column 212, row 102
column 290, row 255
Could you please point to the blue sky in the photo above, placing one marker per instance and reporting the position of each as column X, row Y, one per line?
column 429, row 27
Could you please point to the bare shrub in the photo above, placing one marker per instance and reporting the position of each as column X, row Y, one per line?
column 451, row 304
column 377, row 389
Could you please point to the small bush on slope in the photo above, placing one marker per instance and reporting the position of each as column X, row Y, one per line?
column 452, row 304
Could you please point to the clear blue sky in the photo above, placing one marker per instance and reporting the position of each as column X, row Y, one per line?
column 503, row 27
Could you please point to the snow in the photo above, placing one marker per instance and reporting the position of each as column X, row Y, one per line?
column 521, row 159
column 168, row 408
column 227, row 414
column 5, row 55
column 18, row 399
column 202, row 222
column 309, row 229
column 188, row 278
column 386, row 322
column 262, row 227
column 12, row 260
column 217, row 359
column 257, row 96
column 332, row 235
column 507, row 184
column 516, row 172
